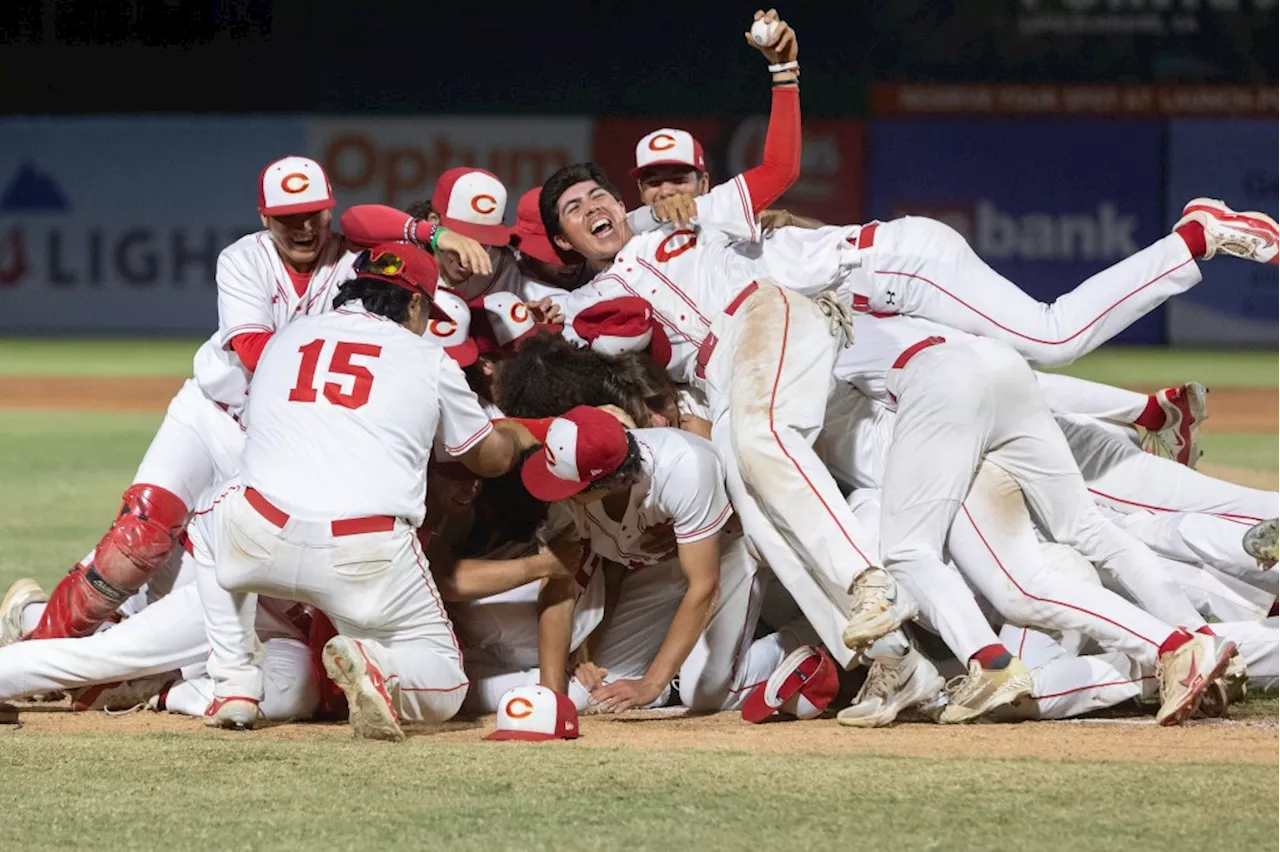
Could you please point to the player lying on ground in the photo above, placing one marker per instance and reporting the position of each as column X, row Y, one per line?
column 155, row 657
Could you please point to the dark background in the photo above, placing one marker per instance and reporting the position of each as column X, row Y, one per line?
column 619, row 58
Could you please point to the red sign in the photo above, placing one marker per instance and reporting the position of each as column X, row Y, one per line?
column 830, row 187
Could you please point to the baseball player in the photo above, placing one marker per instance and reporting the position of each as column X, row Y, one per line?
column 653, row 501
column 155, row 657
column 329, row 520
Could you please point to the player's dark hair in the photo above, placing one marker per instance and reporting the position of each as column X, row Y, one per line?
column 549, row 198
column 379, row 297
column 548, row 375
column 628, row 473
column 505, row 511
column 420, row 209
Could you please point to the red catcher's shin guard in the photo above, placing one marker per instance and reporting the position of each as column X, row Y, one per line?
column 145, row 532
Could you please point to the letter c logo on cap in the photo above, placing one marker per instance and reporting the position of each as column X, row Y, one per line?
column 519, row 708
column 551, row 455
column 442, row 328
column 484, row 204
column 295, row 182
column 519, row 312
column 662, row 142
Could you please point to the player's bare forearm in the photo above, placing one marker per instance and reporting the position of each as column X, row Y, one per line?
column 473, row 579
column 701, row 563
column 500, row 449
column 555, row 633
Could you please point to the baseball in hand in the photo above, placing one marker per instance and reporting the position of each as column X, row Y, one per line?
column 762, row 31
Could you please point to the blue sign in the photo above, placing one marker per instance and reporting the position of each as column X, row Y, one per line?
column 1234, row 160
column 114, row 225
column 1046, row 202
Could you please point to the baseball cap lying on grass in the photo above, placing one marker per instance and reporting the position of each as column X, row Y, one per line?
column 535, row 714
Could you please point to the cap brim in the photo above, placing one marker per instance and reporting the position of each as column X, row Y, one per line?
column 303, row 207
column 536, row 245
column 639, row 170
column 465, row 353
column 543, row 484
column 755, row 709
column 489, row 235
column 525, row 736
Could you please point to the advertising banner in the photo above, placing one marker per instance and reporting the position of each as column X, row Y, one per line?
column 1046, row 203
column 113, row 225
column 395, row 161
column 1236, row 161
column 830, row 186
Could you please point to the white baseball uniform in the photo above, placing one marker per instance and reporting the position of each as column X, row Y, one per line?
column 331, row 490
column 164, row 634
column 764, row 355
column 975, row 399
column 924, row 268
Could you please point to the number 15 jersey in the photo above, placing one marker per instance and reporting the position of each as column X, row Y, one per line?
column 343, row 410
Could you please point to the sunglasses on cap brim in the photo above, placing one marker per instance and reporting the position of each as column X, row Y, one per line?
column 382, row 263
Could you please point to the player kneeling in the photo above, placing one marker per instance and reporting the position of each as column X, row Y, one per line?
column 345, row 407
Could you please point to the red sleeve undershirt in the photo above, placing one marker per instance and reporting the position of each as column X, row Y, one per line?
column 249, row 347
column 370, row 224
column 781, row 165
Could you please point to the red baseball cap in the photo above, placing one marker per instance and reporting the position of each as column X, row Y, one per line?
column 624, row 324
column 529, row 236
column 584, row 445
column 669, row 147
column 404, row 265
column 803, row 685
column 454, row 333
column 472, row 202
column 293, row 184
column 535, row 714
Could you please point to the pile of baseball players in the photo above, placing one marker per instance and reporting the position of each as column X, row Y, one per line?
column 707, row 453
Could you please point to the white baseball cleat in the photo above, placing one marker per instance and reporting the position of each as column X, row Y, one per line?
column 1250, row 235
column 1184, row 675
column 879, row 606
column 1184, row 410
column 893, row 686
column 371, row 709
column 234, row 711
column 983, row 690
column 22, row 593
column 1262, row 542
column 122, row 696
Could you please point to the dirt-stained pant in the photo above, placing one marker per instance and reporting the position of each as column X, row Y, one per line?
column 767, row 383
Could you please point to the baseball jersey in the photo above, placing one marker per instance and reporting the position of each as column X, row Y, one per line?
column 345, row 408
column 687, row 275
column 679, row 499
column 256, row 294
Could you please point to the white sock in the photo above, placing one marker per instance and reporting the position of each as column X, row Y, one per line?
column 31, row 615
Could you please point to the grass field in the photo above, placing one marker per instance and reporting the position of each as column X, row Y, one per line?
column 648, row 784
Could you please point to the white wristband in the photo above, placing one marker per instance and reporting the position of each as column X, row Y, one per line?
column 784, row 66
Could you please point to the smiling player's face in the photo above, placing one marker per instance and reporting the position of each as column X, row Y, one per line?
column 592, row 222
column 300, row 237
